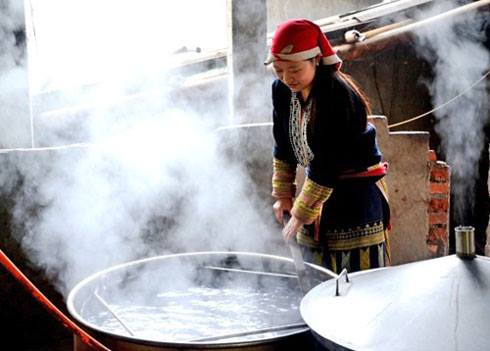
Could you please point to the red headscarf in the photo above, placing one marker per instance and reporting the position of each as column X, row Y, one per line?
column 300, row 39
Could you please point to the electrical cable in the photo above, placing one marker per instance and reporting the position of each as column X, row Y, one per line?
column 440, row 106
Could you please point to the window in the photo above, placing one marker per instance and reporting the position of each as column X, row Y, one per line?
column 75, row 42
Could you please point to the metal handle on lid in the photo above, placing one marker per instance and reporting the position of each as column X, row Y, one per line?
column 344, row 272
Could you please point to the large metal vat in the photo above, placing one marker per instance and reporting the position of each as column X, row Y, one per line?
column 195, row 301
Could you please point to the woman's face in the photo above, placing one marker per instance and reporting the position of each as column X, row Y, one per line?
column 297, row 75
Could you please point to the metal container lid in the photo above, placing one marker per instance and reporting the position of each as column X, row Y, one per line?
column 436, row 304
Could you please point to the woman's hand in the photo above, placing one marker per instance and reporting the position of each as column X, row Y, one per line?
column 281, row 206
column 291, row 228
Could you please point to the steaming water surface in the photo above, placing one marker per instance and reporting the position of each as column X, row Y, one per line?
column 187, row 297
column 195, row 312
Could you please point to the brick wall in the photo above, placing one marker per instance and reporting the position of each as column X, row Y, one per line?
column 438, row 209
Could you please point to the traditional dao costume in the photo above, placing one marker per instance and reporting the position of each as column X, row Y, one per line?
column 344, row 194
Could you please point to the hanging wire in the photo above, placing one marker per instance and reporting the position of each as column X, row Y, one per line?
column 440, row 106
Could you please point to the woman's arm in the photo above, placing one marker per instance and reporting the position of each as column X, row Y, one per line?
column 284, row 162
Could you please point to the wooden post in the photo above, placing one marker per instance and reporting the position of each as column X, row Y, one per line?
column 249, row 85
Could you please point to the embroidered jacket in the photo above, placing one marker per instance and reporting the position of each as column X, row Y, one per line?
column 338, row 134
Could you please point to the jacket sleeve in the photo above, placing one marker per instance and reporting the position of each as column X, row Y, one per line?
column 284, row 162
column 281, row 97
column 308, row 204
column 283, row 179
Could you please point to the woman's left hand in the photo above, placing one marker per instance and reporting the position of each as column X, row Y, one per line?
column 291, row 228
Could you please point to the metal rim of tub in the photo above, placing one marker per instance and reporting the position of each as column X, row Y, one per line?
column 205, row 344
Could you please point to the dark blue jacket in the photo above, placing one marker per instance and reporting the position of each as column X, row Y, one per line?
column 338, row 133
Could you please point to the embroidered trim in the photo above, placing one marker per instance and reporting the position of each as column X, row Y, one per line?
column 343, row 259
column 305, row 239
column 308, row 204
column 283, row 179
column 298, row 130
column 369, row 235
column 364, row 258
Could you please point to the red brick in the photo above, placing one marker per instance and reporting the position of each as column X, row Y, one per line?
column 437, row 232
column 431, row 155
column 439, row 174
column 439, row 205
column 439, row 188
column 438, row 218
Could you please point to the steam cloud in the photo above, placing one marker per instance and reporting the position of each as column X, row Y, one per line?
column 13, row 77
column 153, row 180
column 454, row 47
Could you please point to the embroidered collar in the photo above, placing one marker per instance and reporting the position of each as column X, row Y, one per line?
column 298, row 129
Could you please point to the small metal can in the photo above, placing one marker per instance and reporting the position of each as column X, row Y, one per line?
column 465, row 241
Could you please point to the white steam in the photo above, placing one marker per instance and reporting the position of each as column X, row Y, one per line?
column 454, row 47
column 154, row 179
column 156, row 187
column 13, row 77
column 82, row 42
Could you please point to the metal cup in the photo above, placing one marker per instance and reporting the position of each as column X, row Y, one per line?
column 465, row 241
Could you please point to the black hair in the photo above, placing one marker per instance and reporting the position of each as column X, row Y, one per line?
column 353, row 85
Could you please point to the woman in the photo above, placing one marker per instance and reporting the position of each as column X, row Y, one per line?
column 340, row 217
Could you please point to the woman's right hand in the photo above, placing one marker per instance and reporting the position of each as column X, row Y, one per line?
column 281, row 206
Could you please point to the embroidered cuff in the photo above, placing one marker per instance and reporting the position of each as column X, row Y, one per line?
column 309, row 203
column 283, row 179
